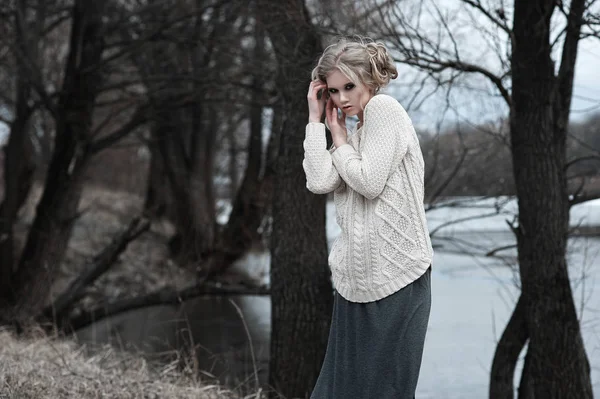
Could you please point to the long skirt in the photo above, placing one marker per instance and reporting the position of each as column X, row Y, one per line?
column 375, row 349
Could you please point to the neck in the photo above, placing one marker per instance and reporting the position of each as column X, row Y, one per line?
column 360, row 118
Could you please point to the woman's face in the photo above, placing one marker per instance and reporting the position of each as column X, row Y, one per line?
column 346, row 96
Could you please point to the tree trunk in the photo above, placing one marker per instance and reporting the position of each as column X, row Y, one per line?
column 56, row 211
column 301, row 291
column 18, row 178
column 507, row 353
column 557, row 365
column 18, row 162
column 184, row 131
column 527, row 386
column 203, row 161
column 250, row 202
column 204, row 116
column 158, row 200
column 232, row 166
column 193, row 203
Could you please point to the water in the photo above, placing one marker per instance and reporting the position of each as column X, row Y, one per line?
column 472, row 298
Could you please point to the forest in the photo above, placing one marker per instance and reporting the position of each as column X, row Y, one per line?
column 149, row 146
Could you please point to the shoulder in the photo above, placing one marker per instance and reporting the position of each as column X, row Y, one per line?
column 383, row 100
column 384, row 104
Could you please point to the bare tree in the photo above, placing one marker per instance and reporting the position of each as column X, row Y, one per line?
column 177, row 67
column 72, row 106
column 538, row 97
column 49, row 234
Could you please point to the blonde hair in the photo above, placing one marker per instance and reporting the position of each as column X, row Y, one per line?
column 360, row 59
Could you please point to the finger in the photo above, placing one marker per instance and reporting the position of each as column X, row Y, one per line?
column 335, row 114
column 319, row 86
column 311, row 88
column 330, row 103
column 314, row 90
column 314, row 85
column 331, row 108
column 331, row 111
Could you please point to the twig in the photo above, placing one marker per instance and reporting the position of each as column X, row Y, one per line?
column 464, row 219
column 503, row 248
column 251, row 345
column 100, row 264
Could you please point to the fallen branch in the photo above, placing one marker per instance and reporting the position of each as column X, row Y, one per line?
column 167, row 296
column 99, row 265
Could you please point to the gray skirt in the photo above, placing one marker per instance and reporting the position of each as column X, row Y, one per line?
column 375, row 349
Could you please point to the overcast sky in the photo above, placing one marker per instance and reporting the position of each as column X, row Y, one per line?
column 586, row 98
column 479, row 107
column 473, row 99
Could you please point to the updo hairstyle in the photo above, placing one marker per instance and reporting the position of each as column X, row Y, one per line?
column 361, row 60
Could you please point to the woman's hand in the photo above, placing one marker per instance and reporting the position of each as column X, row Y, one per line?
column 315, row 104
column 336, row 123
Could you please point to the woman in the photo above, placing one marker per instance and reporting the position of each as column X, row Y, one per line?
column 381, row 261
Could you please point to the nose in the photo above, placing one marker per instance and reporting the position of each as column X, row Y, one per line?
column 343, row 98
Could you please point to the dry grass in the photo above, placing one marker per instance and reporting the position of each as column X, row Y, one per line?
column 49, row 367
column 46, row 367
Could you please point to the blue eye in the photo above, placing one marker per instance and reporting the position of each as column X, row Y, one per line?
column 332, row 91
column 349, row 86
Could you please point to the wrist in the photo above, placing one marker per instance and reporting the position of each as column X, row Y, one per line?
column 314, row 120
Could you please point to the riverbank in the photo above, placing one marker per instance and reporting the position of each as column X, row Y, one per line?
column 46, row 367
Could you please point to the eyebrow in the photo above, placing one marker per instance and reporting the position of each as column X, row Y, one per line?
column 345, row 84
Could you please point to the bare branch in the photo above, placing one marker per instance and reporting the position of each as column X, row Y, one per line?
column 66, row 14
column 451, row 176
column 591, row 21
column 437, row 65
column 583, row 144
column 500, row 20
column 167, row 296
column 461, row 220
column 100, row 264
column 503, row 248
column 582, row 159
column 139, row 117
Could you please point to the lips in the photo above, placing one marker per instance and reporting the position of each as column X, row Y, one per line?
column 346, row 107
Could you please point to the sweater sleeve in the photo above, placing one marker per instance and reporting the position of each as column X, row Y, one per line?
column 384, row 136
column 321, row 175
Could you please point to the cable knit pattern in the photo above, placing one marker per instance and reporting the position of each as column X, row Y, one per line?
column 357, row 250
column 377, row 179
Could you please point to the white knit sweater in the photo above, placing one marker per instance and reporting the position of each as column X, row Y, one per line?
column 377, row 179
